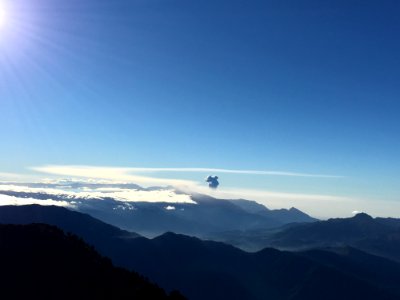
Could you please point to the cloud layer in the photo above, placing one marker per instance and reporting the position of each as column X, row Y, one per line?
column 11, row 200
column 94, row 192
column 110, row 174
column 127, row 173
column 121, row 185
column 64, row 191
column 230, row 171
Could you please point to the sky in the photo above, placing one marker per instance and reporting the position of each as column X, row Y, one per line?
column 179, row 90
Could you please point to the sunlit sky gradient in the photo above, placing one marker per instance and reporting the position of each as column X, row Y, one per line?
column 307, row 87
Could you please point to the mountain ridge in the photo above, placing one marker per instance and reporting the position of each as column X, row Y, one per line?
column 214, row 270
column 204, row 215
column 40, row 261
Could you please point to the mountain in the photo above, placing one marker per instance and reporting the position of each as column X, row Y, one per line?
column 92, row 230
column 248, row 240
column 213, row 270
column 201, row 266
column 41, row 262
column 193, row 214
column 378, row 236
column 283, row 216
column 207, row 215
column 373, row 269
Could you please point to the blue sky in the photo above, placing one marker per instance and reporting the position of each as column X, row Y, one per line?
column 291, row 86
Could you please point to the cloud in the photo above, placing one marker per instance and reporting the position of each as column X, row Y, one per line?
column 111, row 174
column 228, row 171
column 10, row 200
column 266, row 195
column 92, row 192
column 120, row 185
column 129, row 174
column 212, row 182
column 110, row 177
column 12, row 175
column 318, row 205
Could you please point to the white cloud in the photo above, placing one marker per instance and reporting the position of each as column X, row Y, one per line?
column 14, row 177
column 230, row 171
column 10, row 200
column 126, row 173
column 167, row 196
column 266, row 194
column 8, row 175
column 89, row 193
column 49, row 191
column 109, row 173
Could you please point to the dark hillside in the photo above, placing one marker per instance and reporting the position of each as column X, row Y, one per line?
column 41, row 262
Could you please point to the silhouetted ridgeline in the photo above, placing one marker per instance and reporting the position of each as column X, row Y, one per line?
column 379, row 236
column 107, row 238
column 213, row 270
column 41, row 262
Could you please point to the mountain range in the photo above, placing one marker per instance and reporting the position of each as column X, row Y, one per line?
column 40, row 261
column 198, row 215
column 208, row 215
column 379, row 236
column 213, row 270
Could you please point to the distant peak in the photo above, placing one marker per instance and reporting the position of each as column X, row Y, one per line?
column 363, row 216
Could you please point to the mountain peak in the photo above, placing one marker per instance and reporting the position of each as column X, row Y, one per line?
column 294, row 209
column 363, row 216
